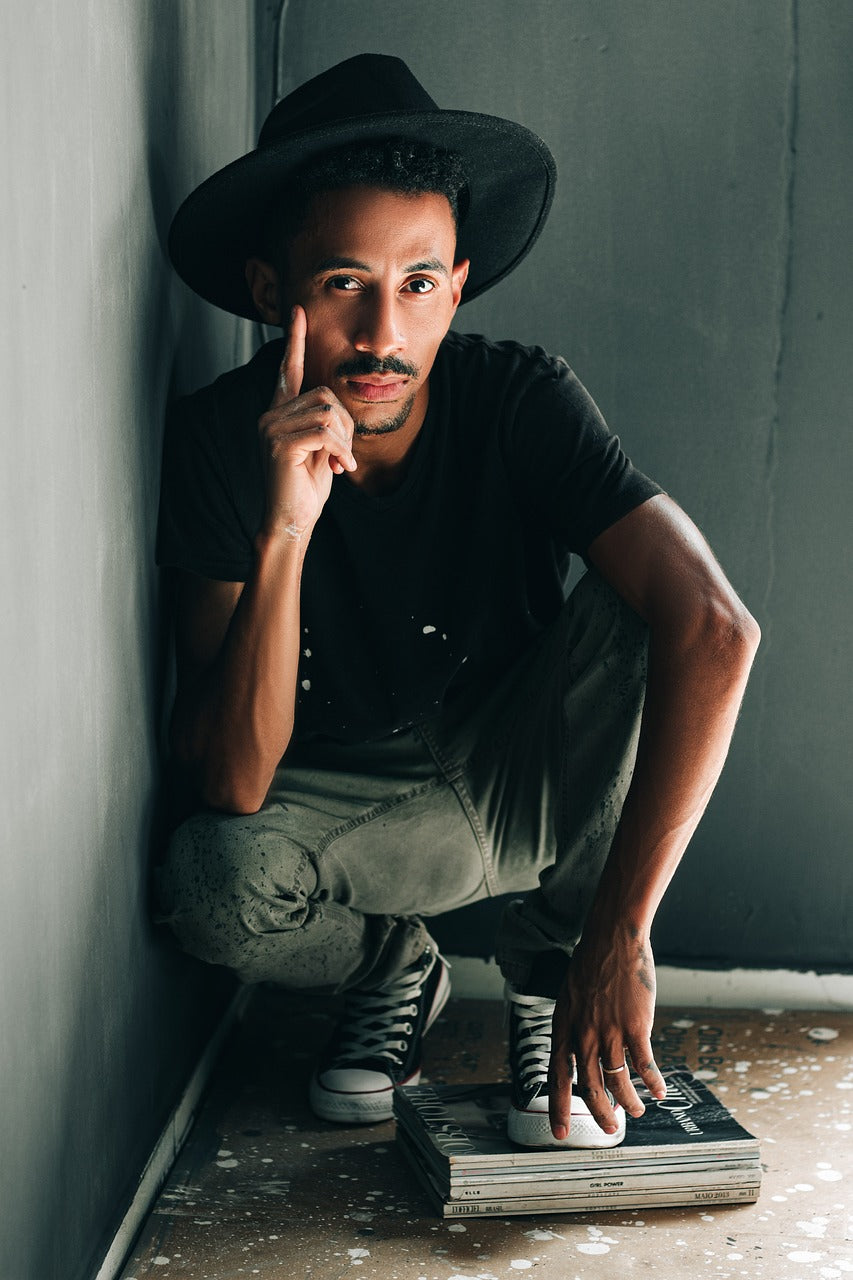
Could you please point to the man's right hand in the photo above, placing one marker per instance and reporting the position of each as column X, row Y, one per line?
column 307, row 440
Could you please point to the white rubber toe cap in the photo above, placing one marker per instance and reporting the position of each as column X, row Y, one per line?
column 351, row 1095
column 531, row 1128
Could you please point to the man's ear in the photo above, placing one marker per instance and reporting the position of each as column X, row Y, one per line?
column 458, row 278
column 262, row 279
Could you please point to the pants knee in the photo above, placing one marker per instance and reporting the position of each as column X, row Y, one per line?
column 227, row 881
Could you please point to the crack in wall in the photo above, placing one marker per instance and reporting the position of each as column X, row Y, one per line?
column 790, row 125
column 788, row 163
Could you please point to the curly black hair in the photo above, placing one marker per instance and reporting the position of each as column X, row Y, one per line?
column 400, row 165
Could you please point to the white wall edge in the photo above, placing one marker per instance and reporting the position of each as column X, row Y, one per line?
column 169, row 1144
column 696, row 988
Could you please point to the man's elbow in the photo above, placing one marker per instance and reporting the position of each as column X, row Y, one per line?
column 232, row 791
column 234, row 800
column 729, row 633
column 215, row 784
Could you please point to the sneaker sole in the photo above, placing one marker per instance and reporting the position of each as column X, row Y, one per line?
column 378, row 1105
column 533, row 1129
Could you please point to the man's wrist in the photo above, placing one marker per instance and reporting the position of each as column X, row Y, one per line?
column 282, row 541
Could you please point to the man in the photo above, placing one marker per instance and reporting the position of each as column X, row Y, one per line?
column 385, row 704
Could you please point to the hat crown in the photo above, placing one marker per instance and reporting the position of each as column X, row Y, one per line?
column 368, row 84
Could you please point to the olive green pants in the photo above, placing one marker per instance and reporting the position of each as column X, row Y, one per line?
column 327, row 885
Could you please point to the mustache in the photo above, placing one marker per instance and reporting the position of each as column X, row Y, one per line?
column 366, row 364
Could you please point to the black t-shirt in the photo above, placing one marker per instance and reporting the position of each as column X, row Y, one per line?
column 411, row 598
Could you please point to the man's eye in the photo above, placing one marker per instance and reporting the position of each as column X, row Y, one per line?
column 420, row 285
column 347, row 283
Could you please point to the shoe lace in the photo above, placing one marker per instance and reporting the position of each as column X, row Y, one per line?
column 532, row 1016
column 372, row 1019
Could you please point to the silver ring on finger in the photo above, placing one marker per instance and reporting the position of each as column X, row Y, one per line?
column 614, row 1071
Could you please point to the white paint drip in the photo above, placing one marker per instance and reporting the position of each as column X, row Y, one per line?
column 594, row 1247
column 683, row 1024
column 428, row 631
column 457, row 1226
column 815, row 1228
column 521, row 1264
column 306, row 685
column 804, row 1255
column 822, row 1034
column 829, row 1175
column 227, row 1164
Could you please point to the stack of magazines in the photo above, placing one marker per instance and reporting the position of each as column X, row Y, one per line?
column 687, row 1149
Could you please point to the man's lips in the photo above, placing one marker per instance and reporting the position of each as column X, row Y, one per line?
column 373, row 388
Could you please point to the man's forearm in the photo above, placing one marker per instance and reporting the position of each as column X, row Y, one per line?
column 694, row 691
column 232, row 726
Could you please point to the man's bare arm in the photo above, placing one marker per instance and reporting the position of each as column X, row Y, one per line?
column 238, row 644
column 701, row 644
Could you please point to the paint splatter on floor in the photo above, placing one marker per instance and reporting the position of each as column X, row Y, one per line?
column 263, row 1188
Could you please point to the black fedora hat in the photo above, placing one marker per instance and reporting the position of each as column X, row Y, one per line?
column 510, row 172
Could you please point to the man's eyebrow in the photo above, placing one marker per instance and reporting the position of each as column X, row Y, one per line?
column 337, row 263
column 428, row 264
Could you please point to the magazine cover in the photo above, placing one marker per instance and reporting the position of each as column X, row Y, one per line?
column 462, row 1129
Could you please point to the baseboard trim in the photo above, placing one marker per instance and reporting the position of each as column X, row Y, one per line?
column 697, row 988
column 169, row 1144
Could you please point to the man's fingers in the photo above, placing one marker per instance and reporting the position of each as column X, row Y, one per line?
column 591, row 1088
column 316, row 437
column 560, row 1091
column 617, row 1078
column 646, row 1067
column 317, row 419
column 292, row 368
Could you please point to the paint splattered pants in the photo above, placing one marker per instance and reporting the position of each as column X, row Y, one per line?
column 326, row 886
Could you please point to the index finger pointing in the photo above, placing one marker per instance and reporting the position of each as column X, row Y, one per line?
column 292, row 367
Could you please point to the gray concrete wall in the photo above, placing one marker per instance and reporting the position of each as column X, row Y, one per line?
column 110, row 113
column 696, row 272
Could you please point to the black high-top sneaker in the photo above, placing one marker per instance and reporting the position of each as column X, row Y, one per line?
column 529, row 1050
column 377, row 1043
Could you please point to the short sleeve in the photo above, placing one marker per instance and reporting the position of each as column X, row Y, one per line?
column 572, row 473
column 200, row 527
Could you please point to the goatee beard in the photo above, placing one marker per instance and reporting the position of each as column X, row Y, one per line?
column 390, row 424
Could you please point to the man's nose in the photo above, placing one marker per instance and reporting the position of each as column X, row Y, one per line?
column 379, row 328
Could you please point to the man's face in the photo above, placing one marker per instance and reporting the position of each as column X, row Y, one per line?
column 374, row 271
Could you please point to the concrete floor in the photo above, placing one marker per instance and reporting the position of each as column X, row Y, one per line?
column 264, row 1189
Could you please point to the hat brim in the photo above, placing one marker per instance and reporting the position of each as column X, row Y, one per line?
column 511, row 180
